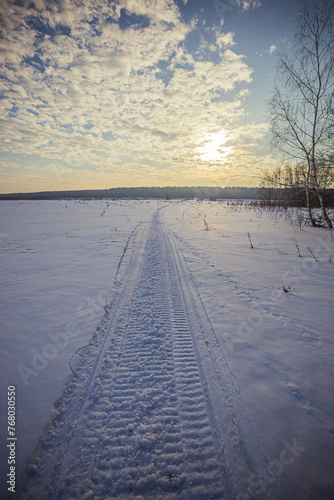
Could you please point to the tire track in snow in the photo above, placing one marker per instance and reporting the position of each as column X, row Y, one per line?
column 45, row 465
column 237, row 443
column 152, row 411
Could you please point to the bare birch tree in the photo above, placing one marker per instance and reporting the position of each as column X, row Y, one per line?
column 302, row 105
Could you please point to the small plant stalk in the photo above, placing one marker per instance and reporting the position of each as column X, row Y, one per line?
column 312, row 253
column 297, row 246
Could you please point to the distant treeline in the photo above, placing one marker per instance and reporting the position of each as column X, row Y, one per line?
column 294, row 197
column 265, row 195
column 167, row 193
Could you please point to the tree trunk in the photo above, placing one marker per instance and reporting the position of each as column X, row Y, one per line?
column 322, row 205
column 319, row 193
column 307, row 191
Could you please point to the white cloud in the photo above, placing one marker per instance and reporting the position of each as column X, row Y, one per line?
column 248, row 4
column 272, row 49
column 100, row 95
column 225, row 40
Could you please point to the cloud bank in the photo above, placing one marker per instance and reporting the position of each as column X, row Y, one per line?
column 121, row 93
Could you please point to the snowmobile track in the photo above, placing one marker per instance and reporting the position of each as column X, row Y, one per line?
column 152, row 411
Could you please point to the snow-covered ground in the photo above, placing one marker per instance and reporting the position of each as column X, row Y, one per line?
column 269, row 309
column 58, row 261
column 279, row 345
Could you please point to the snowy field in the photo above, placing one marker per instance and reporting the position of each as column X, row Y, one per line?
column 259, row 321
column 58, row 261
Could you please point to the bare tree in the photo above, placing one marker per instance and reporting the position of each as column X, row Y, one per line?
column 302, row 106
column 284, row 185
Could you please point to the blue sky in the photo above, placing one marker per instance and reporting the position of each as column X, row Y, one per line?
column 99, row 94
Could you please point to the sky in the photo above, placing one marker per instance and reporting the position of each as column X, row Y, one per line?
column 109, row 93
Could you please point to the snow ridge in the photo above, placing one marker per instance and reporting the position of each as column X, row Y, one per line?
column 236, row 439
column 152, row 410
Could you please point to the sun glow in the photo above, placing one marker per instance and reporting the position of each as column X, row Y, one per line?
column 212, row 149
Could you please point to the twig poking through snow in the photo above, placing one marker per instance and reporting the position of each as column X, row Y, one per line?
column 312, row 253
column 297, row 246
column 250, row 241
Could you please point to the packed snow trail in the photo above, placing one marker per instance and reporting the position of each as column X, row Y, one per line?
column 152, row 411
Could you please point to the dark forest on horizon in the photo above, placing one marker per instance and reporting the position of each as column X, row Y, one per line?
column 266, row 196
column 166, row 193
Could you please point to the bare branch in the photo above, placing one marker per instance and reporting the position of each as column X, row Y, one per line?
column 303, row 99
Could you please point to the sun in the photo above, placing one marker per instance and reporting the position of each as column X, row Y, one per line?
column 213, row 150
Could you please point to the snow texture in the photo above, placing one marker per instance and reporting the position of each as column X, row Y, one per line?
column 210, row 374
